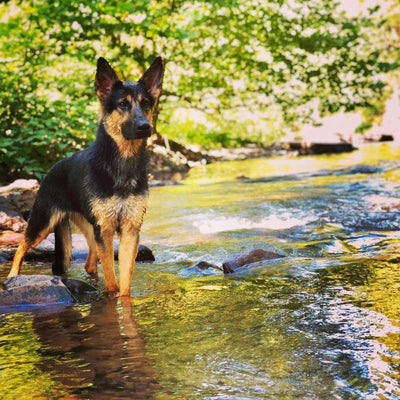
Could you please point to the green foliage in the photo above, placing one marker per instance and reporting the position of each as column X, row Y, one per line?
column 235, row 129
column 199, row 134
column 298, row 57
column 387, row 41
column 364, row 127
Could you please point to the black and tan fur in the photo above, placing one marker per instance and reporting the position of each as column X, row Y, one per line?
column 102, row 189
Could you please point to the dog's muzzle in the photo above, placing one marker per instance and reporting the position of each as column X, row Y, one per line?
column 143, row 130
column 136, row 129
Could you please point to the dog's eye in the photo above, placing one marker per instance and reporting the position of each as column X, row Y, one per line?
column 145, row 104
column 124, row 104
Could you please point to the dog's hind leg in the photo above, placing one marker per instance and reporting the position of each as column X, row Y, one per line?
column 87, row 231
column 91, row 262
column 62, row 247
column 40, row 224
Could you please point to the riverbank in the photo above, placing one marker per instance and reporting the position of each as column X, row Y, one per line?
column 172, row 161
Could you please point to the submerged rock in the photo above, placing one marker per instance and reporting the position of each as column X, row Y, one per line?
column 202, row 268
column 44, row 289
column 242, row 259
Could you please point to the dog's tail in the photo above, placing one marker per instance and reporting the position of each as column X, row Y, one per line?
column 62, row 246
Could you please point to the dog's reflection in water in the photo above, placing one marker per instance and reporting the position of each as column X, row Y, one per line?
column 96, row 352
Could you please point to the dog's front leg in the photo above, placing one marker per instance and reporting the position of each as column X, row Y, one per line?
column 105, row 251
column 128, row 248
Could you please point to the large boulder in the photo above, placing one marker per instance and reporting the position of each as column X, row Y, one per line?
column 239, row 260
column 34, row 289
column 44, row 289
column 19, row 196
column 12, row 221
column 16, row 201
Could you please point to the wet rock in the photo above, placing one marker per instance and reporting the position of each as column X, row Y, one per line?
column 242, row 177
column 204, row 265
column 34, row 289
column 202, row 268
column 240, row 260
column 45, row 289
column 77, row 287
column 82, row 291
column 144, row 254
column 3, row 258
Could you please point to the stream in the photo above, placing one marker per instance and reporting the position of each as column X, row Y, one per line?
column 323, row 322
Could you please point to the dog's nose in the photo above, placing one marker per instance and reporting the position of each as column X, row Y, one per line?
column 144, row 129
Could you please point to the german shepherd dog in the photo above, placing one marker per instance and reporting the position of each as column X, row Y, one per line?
column 103, row 189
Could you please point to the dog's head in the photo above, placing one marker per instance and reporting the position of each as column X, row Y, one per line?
column 126, row 107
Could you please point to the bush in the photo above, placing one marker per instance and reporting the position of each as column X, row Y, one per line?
column 38, row 132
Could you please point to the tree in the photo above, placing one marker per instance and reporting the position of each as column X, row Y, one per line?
column 296, row 57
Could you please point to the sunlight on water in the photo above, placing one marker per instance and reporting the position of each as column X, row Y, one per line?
column 208, row 224
column 322, row 322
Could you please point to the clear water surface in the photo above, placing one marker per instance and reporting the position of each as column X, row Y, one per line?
column 321, row 323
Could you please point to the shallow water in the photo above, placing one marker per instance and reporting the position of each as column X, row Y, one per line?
column 321, row 323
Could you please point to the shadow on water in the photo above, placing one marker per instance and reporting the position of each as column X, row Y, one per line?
column 85, row 352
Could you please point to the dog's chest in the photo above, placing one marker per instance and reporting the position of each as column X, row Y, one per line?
column 116, row 212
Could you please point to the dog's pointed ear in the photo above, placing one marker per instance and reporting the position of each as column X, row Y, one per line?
column 105, row 78
column 153, row 77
